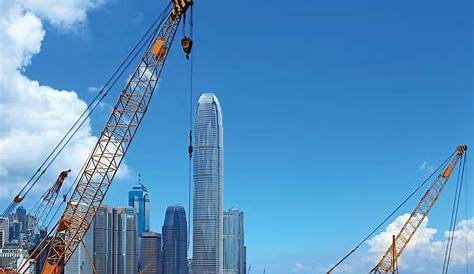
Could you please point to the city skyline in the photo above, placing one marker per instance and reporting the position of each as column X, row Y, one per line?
column 327, row 130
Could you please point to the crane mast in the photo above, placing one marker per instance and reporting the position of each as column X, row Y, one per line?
column 389, row 259
column 108, row 153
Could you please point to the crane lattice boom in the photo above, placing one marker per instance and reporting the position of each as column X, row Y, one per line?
column 112, row 145
column 418, row 215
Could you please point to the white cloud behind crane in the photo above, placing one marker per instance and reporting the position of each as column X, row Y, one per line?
column 34, row 117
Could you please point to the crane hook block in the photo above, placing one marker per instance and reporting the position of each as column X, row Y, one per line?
column 187, row 45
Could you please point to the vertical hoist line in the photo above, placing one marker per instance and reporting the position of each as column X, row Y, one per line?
column 451, row 220
column 456, row 211
column 190, row 147
column 467, row 232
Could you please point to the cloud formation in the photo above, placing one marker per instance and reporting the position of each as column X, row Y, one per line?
column 424, row 253
column 34, row 116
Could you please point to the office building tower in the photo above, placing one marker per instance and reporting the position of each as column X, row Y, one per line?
column 100, row 242
column 175, row 237
column 139, row 199
column 234, row 249
column 4, row 231
column 15, row 232
column 208, row 187
column 79, row 261
column 150, row 253
column 13, row 259
column 115, row 241
column 21, row 214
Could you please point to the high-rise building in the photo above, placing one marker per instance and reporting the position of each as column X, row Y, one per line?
column 13, row 258
column 115, row 241
column 150, row 253
column 100, row 240
column 4, row 231
column 21, row 214
column 208, row 187
column 175, row 237
column 139, row 199
column 79, row 261
column 234, row 249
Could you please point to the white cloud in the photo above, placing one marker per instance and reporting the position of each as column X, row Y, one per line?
column 63, row 13
column 34, row 116
column 424, row 253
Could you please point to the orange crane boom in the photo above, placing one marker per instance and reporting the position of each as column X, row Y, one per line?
column 388, row 261
column 108, row 153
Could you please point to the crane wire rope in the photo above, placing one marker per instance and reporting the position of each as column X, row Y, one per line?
column 190, row 147
column 391, row 214
column 454, row 216
column 70, row 133
column 143, row 43
column 466, row 191
column 120, row 71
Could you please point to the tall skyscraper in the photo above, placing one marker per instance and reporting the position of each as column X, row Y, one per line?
column 115, row 241
column 150, row 259
column 234, row 249
column 175, row 236
column 208, row 187
column 4, row 231
column 139, row 199
column 101, row 240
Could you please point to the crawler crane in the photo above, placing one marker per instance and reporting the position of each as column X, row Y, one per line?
column 95, row 178
column 388, row 262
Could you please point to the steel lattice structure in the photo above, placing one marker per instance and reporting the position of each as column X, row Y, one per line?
column 111, row 147
column 418, row 215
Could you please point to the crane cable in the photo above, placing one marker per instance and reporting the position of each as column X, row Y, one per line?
column 454, row 216
column 391, row 214
column 190, row 146
column 140, row 45
column 71, row 132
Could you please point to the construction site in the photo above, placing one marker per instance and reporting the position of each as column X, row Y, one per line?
column 66, row 212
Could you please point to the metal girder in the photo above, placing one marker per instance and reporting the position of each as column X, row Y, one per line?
column 418, row 215
column 108, row 153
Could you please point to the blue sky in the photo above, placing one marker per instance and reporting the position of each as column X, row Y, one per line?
column 330, row 108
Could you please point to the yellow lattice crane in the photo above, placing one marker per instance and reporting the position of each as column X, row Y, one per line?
column 388, row 262
column 108, row 153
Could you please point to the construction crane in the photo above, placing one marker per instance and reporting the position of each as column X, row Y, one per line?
column 48, row 199
column 43, row 209
column 388, row 262
column 108, row 153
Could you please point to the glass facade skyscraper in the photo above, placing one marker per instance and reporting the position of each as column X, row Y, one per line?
column 208, row 187
column 115, row 241
column 175, row 239
column 234, row 248
column 151, row 258
column 139, row 199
